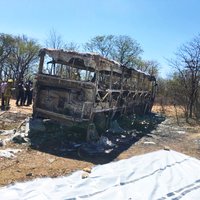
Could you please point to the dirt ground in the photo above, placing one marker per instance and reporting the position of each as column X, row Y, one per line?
column 171, row 133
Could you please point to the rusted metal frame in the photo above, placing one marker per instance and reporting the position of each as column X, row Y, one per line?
column 109, row 109
column 61, row 70
column 147, row 101
column 115, row 102
column 98, row 90
column 142, row 81
column 63, row 82
column 46, row 82
column 124, row 104
column 70, row 71
column 149, row 84
column 122, row 79
column 41, row 63
column 54, row 68
column 59, row 116
column 96, row 71
column 112, row 101
column 105, row 96
column 145, row 109
column 125, row 98
column 70, row 98
column 141, row 96
column 122, row 90
column 138, row 81
column 147, row 93
column 74, row 114
column 131, row 79
column 135, row 93
column 101, row 99
column 110, row 86
column 82, row 112
column 35, row 99
column 153, row 89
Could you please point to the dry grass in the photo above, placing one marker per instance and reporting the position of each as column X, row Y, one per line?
column 169, row 110
column 22, row 109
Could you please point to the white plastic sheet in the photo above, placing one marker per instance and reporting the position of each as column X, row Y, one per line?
column 158, row 175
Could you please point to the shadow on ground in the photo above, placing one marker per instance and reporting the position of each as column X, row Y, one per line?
column 70, row 142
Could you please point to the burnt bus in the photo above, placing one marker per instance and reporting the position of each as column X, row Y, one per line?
column 73, row 87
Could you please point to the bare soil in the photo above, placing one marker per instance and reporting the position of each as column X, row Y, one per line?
column 170, row 133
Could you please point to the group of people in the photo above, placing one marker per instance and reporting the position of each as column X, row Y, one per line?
column 24, row 93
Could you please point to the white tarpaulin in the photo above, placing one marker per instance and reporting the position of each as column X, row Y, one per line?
column 159, row 175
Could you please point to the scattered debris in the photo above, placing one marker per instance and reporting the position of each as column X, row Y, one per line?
column 181, row 132
column 29, row 174
column 87, row 169
column 19, row 139
column 85, row 175
column 20, row 125
column 7, row 132
column 1, row 143
column 104, row 141
column 149, row 143
column 9, row 153
column 115, row 127
column 51, row 160
column 167, row 148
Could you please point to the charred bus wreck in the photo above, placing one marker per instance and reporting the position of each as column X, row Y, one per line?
column 74, row 87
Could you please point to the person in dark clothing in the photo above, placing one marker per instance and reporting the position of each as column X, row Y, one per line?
column 20, row 96
column 30, row 96
column 28, row 93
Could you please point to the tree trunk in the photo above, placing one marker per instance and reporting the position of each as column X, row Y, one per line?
column 190, row 109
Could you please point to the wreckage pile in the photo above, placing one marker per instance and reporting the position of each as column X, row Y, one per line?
column 46, row 136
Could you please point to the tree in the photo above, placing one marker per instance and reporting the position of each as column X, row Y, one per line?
column 54, row 40
column 71, row 46
column 6, row 48
column 23, row 58
column 125, row 50
column 148, row 66
column 121, row 48
column 100, row 44
column 187, row 66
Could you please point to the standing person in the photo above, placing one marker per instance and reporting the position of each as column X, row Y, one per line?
column 20, row 94
column 27, row 89
column 8, row 93
column 3, row 88
column 30, row 97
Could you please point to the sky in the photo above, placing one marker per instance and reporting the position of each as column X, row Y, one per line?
column 159, row 26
